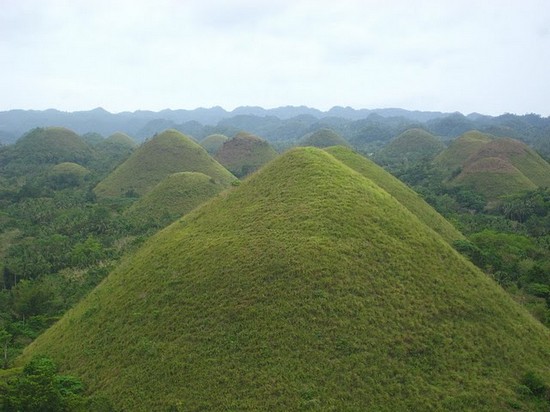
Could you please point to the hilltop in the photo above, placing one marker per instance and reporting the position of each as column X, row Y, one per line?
column 245, row 153
column 503, row 167
column 175, row 196
column 323, row 138
column 461, row 149
column 45, row 147
column 306, row 287
column 166, row 153
column 212, row 143
column 411, row 146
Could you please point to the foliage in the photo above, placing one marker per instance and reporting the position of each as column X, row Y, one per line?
column 40, row 388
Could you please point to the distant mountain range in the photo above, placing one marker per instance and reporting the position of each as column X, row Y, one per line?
column 15, row 122
column 365, row 129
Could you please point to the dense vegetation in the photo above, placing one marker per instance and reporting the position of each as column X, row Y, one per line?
column 308, row 286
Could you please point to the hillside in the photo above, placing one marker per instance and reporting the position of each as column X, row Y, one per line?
column 245, row 153
column 306, row 287
column 323, row 138
column 212, row 143
column 411, row 146
column 406, row 196
column 44, row 147
column 461, row 149
column 494, row 177
column 503, row 167
column 121, row 139
column 173, row 197
column 521, row 156
column 166, row 153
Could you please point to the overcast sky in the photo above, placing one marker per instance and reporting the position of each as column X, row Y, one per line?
column 470, row 56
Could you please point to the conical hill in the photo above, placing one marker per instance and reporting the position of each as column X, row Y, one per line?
column 44, row 147
column 166, row 153
column 306, row 287
column 461, row 148
column 323, row 138
column 503, row 167
column 173, row 197
column 213, row 143
column 411, row 146
column 245, row 153
column 406, row 196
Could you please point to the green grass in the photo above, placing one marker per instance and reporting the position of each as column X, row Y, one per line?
column 69, row 168
column 503, row 167
column 43, row 147
column 403, row 194
column 461, row 149
column 121, row 139
column 166, row 153
column 245, row 153
column 213, row 143
column 323, row 138
column 307, row 287
column 174, row 197
column 411, row 146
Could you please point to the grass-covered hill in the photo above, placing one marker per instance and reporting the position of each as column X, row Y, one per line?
column 406, row 196
column 461, row 149
column 306, row 287
column 245, row 153
column 121, row 139
column 214, row 142
column 323, row 138
column 503, row 167
column 175, row 196
column 166, row 153
column 43, row 147
column 411, row 146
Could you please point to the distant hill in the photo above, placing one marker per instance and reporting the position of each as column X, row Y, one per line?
column 167, row 153
column 306, row 287
column 406, row 196
column 113, row 150
column 461, row 149
column 175, row 196
column 411, row 146
column 323, row 138
column 45, row 147
column 213, row 143
column 245, row 153
column 67, row 174
column 503, row 167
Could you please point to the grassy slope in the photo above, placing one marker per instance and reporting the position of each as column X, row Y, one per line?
column 461, row 148
column 121, row 139
column 245, row 153
column 174, row 197
column 503, row 167
column 525, row 159
column 69, row 168
column 324, row 138
column 406, row 196
column 413, row 145
column 51, row 145
column 493, row 178
column 167, row 153
column 307, row 287
column 213, row 143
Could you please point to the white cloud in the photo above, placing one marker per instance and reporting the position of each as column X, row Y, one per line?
column 489, row 57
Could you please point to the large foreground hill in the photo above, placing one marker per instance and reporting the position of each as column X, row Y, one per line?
column 306, row 287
